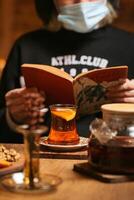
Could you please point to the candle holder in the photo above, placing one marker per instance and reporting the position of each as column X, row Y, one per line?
column 29, row 180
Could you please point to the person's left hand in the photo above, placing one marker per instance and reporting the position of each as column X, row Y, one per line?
column 123, row 92
column 26, row 105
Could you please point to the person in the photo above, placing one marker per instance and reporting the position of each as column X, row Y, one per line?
column 77, row 36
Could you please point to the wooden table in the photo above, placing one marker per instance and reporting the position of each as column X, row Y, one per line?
column 74, row 186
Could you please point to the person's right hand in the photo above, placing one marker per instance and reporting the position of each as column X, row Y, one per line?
column 122, row 92
column 25, row 104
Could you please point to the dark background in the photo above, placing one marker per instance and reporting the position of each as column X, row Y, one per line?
column 19, row 16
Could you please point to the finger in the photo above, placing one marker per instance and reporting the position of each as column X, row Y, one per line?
column 16, row 101
column 19, row 104
column 33, row 93
column 19, row 118
column 116, row 83
column 25, row 104
column 41, row 120
column 19, row 92
column 19, row 96
column 128, row 85
column 13, row 94
column 39, row 113
column 27, row 117
column 38, row 101
column 123, row 100
column 20, row 108
column 31, row 121
column 129, row 93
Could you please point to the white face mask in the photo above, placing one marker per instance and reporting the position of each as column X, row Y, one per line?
column 83, row 17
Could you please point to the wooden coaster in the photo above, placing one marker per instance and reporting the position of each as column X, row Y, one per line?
column 86, row 169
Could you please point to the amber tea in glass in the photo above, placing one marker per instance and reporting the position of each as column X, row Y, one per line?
column 63, row 125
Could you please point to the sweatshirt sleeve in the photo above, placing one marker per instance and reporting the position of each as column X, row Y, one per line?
column 9, row 80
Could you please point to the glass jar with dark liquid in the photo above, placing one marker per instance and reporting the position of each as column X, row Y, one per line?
column 111, row 144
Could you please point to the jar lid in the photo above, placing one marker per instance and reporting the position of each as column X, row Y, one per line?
column 123, row 108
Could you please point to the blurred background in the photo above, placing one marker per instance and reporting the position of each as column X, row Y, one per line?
column 19, row 16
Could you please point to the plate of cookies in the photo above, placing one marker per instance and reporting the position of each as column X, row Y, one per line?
column 10, row 160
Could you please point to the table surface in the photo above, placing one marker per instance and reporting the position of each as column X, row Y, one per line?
column 74, row 185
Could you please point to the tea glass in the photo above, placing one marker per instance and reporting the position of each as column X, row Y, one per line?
column 63, row 125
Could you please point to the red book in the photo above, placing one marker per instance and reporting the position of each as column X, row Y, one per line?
column 86, row 90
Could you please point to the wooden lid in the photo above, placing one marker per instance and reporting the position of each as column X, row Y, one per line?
column 118, row 108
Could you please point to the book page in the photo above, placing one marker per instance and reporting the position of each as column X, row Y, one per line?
column 89, row 91
column 89, row 96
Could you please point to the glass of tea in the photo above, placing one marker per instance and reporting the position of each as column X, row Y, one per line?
column 63, row 125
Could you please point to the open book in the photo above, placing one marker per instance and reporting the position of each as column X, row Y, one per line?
column 86, row 90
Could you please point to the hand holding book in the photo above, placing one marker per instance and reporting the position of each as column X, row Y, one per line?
column 25, row 105
column 124, row 91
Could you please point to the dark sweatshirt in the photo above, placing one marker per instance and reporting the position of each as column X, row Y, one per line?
column 70, row 51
